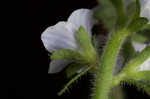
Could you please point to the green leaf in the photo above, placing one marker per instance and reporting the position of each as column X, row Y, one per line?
column 67, row 54
column 139, row 38
column 130, row 8
column 145, row 32
column 138, row 8
column 120, row 11
column 137, row 61
column 137, row 11
column 134, row 14
column 141, row 75
column 147, row 27
column 86, row 45
column 106, row 13
column 137, row 24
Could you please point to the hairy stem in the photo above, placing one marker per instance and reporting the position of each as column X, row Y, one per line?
column 108, row 60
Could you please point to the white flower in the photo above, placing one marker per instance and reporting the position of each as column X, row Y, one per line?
column 145, row 9
column 138, row 48
column 63, row 35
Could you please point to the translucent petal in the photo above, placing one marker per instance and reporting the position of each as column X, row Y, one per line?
column 60, row 36
column 145, row 65
column 138, row 46
column 82, row 17
column 57, row 66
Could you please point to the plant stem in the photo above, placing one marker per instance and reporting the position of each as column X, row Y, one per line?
column 108, row 60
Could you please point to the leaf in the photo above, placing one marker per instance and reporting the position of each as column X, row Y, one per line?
column 137, row 11
column 86, row 44
column 135, row 17
column 138, row 8
column 147, row 27
column 145, row 32
column 103, row 14
column 137, row 24
column 139, row 38
column 130, row 8
column 120, row 11
column 141, row 75
column 131, row 66
column 67, row 54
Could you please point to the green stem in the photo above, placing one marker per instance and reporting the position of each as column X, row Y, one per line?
column 74, row 79
column 104, row 79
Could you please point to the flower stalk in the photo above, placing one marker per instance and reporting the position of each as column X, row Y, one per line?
column 105, row 75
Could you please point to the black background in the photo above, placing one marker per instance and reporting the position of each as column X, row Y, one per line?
column 27, row 58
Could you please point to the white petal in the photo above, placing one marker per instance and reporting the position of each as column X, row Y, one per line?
column 145, row 9
column 83, row 17
column 138, row 46
column 57, row 66
column 60, row 36
column 143, row 2
column 145, row 66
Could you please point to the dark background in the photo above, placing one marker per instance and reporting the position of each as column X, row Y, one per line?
column 27, row 58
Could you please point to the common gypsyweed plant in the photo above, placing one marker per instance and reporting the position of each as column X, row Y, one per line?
column 125, row 57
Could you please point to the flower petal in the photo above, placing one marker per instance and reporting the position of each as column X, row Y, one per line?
column 143, row 2
column 82, row 17
column 138, row 46
column 57, row 66
column 145, row 9
column 60, row 36
column 145, row 65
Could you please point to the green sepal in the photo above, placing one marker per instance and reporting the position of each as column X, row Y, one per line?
column 145, row 32
column 137, row 11
column 67, row 54
column 146, row 27
column 137, row 24
column 106, row 13
column 130, row 9
column 120, row 13
column 139, row 38
column 131, row 66
column 138, row 8
column 141, row 75
column 86, row 45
